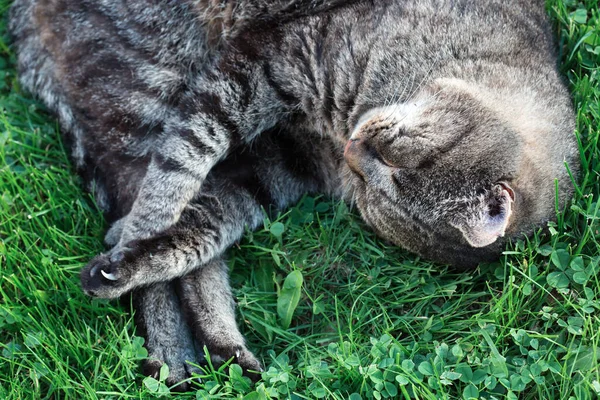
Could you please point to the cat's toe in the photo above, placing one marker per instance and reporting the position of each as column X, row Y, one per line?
column 151, row 368
column 249, row 363
column 243, row 357
column 102, row 277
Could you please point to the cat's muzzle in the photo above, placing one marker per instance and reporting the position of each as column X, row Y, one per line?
column 363, row 159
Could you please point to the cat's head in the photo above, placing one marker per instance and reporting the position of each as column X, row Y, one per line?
column 455, row 172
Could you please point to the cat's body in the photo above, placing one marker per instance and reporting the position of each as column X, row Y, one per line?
column 451, row 117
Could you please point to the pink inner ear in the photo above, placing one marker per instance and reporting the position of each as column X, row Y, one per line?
column 510, row 191
column 485, row 229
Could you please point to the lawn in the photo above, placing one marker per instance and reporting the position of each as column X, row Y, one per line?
column 372, row 321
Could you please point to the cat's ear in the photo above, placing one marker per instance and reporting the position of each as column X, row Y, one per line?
column 489, row 219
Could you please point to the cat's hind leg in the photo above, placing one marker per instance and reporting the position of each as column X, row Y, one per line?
column 169, row 340
column 178, row 318
column 279, row 170
column 209, row 307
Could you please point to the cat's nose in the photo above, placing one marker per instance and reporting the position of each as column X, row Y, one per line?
column 358, row 155
column 363, row 159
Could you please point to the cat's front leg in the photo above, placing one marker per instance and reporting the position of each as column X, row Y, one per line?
column 231, row 113
column 113, row 235
column 173, row 178
column 163, row 195
column 207, row 227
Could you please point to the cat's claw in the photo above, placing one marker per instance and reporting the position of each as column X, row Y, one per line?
column 110, row 276
column 250, row 365
column 104, row 276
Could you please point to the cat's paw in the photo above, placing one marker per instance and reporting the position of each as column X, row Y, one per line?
column 243, row 357
column 106, row 275
column 179, row 373
column 249, row 363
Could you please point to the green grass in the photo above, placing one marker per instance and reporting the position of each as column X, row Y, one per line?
column 372, row 321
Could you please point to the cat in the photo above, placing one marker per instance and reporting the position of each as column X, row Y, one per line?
column 447, row 119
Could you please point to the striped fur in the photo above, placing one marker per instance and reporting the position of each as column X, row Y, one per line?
column 447, row 120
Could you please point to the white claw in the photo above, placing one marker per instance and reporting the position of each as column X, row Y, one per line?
column 109, row 276
column 238, row 353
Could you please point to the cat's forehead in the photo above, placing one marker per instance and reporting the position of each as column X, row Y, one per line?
column 406, row 114
column 434, row 110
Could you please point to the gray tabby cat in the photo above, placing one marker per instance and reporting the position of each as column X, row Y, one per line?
column 447, row 118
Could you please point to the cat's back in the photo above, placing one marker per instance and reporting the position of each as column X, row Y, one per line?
column 109, row 70
column 77, row 42
column 164, row 30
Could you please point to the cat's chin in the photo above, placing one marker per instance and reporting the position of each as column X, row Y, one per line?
column 463, row 257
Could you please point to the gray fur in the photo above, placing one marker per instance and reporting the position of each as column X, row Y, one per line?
column 230, row 202
column 189, row 116
column 207, row 300
column 168, row 337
